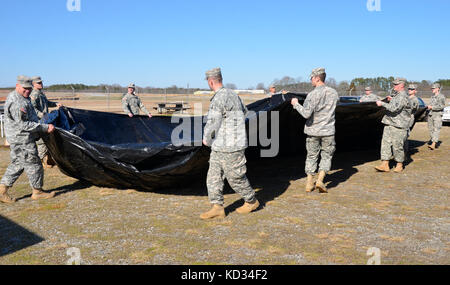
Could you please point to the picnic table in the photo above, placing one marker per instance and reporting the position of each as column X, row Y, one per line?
column 169, row 107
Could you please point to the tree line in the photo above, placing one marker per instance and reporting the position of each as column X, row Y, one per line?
column 116, row 88
column 380, row 85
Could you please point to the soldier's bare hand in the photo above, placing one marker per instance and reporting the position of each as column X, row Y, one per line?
column 51, row 128
column 205, row 143
column 379, row 103
column 149, row 115
column 430, row 108
column 130, row 115
column 59, row 105
column 389, row 98
column 294, row 101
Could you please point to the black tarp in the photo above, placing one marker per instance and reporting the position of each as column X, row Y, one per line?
column 113, row 150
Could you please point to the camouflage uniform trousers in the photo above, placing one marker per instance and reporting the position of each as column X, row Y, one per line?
column 393, row 143
column 434, row 125
column 323, row 146
column 42, row 149
column 24, row 157
column 232, row 167
column 408, row 133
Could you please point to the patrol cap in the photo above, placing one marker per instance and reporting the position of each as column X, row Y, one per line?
column 317, row 71
column 132, row 85
column 436, row 85
column 368, row 88
column 412, row 86
column 215, row 72
column 36, row 79
column 399, row 80
column 24, row 81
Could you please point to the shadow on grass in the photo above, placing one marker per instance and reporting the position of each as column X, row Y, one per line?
column 13, row 237
column 273, row 176
column 77, row 185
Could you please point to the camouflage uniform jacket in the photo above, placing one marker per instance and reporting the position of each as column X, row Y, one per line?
column 397, row 111
column 438, row 103
column 21, row 121
column 370, row 98
column 413, row 108
column 132, row 104
column 319, row 109
column 225, row 127
column 40, row 102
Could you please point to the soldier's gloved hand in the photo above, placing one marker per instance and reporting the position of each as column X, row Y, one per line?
column 294, row 101
column 51, row 128
column 130, row 115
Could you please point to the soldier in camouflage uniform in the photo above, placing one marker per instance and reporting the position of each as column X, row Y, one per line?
column 319, row 109
column 22, row 129
column 132, row 104
column 225, row 133
column 369, row 97
column 436, row 108
column 397, row 122
column 412, row 109
column 41, row 104
column 272, row 90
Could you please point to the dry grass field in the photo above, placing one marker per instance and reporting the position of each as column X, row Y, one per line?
column 100, row 102
column 406, row 216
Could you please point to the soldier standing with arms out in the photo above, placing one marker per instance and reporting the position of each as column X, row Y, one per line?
column 412, row 109
column 22, row 129
column 272, row 90
column 131, row 103
column 41, row 104
column 436, row 108
column 319, row 109
column 396, row 121
column 225, row 133
column 369, row 97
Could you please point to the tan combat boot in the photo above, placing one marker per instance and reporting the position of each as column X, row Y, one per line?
column 398, row 168
column 310, row 183
column 432, row 146
column 319, row 184
column 217, row 211
column 4, row 197
column 247, row 208
column 384, row 167
column 38, row 194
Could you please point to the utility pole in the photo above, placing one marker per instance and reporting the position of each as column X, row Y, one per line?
column 107, row 95
column 73, row 95
column 187, row 91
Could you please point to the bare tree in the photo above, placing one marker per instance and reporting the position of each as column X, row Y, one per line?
column 286, row 80
column 332, row 82
column 260, row 86
column 231, row 86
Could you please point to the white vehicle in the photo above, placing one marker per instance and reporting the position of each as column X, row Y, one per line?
column 446, row 117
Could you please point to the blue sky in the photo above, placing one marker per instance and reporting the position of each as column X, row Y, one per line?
column 173, row 42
